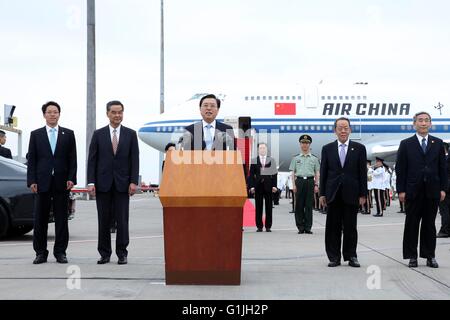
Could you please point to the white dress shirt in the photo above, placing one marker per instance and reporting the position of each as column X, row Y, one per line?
column 56, row 133
column 346, row 146
column 111, row 129
column 212, row 130
column 421, row 138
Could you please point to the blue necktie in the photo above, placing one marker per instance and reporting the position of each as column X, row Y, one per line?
column 53, row 139
column 424, row 145
column 208, row 137
column 342, row 154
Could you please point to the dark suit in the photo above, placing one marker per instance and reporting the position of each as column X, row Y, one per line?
column 421, row 176
column 51, row 172
column 223, row 137
column 5, row 152
column 263, row 180
column 342, row 187
column 112, row 176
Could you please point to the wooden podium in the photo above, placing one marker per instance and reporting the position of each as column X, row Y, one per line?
column 203, row 194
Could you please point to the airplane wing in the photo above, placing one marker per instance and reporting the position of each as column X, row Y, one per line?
column 386, row 150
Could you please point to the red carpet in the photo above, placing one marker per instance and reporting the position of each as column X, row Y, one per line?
column 249, row 214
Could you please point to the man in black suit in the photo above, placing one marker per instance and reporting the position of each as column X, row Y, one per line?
column 343, row 188
column 113, row 173
column 51, row 174
column 421, row 184
column 263, row 183
column 4, row 152
column 209, row 134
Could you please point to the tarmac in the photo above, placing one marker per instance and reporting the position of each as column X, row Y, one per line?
column 281, row 265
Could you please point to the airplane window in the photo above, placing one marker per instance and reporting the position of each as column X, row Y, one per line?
column 306, row 128
column 353, row 97
column 334, row 98
column 312, row 128
column 282, row 128
column 346, row 97
column 446, row 128
column 287, row 97
column 433, row 128
column 324, row 128
column 294, row 128
column 300, row 128
column 293, row 98
column 340, row 97
column 264, row 97
column 158, row 129
column 281, row 98
column 359, row 97
column 246, row 98
column 330, row 128
column 252, row 98
column 364, row 97
column 270, row 97
column 257, row 98
column 323, row 97
column 299, row 98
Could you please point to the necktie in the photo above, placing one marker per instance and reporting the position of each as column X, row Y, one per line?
column 114, row 141
column 342, row 154
column 263, row 161
column 208, row 137
column 53, row 139
column 424, row 145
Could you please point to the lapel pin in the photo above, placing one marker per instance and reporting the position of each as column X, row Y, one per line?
column 432, row 141
column 353, row 149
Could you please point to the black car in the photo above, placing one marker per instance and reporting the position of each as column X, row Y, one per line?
column 17, row 201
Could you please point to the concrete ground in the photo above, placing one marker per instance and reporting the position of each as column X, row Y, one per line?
column 277, row 265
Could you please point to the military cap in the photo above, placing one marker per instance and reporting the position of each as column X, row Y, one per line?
column 305, row 138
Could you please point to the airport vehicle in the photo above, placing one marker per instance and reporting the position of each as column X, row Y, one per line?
column 17, row 201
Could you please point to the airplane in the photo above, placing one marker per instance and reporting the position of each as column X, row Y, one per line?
column 380, row 117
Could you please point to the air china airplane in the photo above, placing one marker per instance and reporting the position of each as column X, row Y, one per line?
column 380, row 118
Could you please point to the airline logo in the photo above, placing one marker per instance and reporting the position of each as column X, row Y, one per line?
column 285, row 109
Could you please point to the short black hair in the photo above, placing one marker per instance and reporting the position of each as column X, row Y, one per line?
column 48, row 104
column 260, row 143
column 170, row 144
column 114, row 103
column 339, row 119
column 2, row 133
column 210, row 96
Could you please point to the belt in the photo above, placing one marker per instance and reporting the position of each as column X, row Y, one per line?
column 305, row 178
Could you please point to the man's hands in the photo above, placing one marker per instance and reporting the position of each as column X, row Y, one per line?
column 132, row 189
column 323, row 201
column 34, row 188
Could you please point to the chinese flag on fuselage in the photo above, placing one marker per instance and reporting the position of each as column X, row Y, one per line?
column 285, row 109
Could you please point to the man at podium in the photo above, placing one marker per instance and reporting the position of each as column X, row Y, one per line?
column 209, row 134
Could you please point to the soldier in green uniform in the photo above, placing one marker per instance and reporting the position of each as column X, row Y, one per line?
column 305, row 169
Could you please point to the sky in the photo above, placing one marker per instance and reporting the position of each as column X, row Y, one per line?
column 210, row 45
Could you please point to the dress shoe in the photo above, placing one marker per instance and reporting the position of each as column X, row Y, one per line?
column 113, row 229
column 308, row 231
column 40, row 258
column 301, row 231
column 103, row 260
column 431, row 262
column 259, row 230
column 442, row 235
column 61, row 258
column 334, row 264
column 122, row 260
column 353, row 262
column 268, row 230
column 413, row 263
